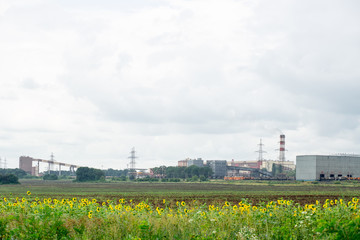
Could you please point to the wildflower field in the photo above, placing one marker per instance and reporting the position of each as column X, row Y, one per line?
column 31, row 215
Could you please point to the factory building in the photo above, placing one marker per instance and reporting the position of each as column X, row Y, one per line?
column 249, row 164
column 322, row 167
column 197, row 162
column 182, row 163
column 268, row 164
column 190, row 162
column 25, row 163
column 219, row 168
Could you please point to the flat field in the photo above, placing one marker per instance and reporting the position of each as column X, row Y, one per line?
column 207, row 192
column 37, row 209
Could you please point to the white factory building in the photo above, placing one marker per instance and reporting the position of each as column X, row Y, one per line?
column 322, row 167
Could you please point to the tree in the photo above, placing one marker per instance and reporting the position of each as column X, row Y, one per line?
column 84, row 174
column 276, row 169
column 50, row 177
column 15, row 171
column 9, row 179
column 116, row 173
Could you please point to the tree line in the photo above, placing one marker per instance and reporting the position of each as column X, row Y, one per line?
column 15, row 171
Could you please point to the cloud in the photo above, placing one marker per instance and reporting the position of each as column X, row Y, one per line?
column 175, row 79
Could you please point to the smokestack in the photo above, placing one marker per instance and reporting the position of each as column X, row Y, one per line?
column 282, row 148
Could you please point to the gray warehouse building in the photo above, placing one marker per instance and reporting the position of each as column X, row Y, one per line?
column 321, row 167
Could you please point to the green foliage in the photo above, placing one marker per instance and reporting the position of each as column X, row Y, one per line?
column 116, row 173
column 276, row 169
column 194, row 178
column 9, row 179
column 147, row 179
column 182, row 172
column 63, row 173
column 88, row 218
column 203, row 178
column 170, row 180
column 15, row 171
column 84, row 174
column 50, row 177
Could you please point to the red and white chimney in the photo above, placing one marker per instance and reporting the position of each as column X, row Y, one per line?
column 282, row 148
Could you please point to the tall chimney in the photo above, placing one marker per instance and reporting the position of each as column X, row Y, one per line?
column 282, row 148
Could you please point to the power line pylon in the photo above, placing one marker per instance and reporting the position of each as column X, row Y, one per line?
column 260, row 151
column 132, row 157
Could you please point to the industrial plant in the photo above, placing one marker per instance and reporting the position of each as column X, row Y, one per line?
column 259, row 168
column 26, row 164
column 308, row 167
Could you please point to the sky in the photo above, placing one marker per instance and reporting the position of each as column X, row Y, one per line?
column 89, row 80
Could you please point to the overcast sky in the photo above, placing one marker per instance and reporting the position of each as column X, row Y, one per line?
column 88, row 80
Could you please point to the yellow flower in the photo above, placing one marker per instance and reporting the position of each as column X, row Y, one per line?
column 94, row 200
column 183, row 203
column 164, row 201
column 227, row 203
column 28, row 193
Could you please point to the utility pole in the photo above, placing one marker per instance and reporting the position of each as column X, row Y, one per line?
column 132, row 170
column 260, row 151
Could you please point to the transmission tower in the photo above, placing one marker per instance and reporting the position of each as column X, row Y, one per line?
column 260, row 151
column 132, row 160
column 5, row 165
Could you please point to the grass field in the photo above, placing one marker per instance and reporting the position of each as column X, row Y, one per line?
column 209, row 192
column 38, row 209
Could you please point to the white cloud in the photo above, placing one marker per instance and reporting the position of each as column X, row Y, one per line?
column 89, row 80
